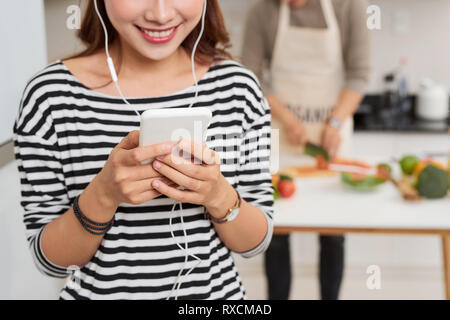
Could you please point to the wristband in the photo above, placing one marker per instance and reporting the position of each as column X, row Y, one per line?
column 90, row 226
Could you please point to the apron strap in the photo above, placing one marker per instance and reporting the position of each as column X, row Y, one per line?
column 284, row 18
column 328, row 13
column 327, row 10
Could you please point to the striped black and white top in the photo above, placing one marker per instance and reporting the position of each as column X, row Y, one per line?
column 63, row 135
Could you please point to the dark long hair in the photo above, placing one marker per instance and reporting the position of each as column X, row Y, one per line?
column 212, row 47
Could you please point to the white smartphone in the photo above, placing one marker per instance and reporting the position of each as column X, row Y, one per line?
column 172, row 124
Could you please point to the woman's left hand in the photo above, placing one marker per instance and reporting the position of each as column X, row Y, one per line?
column 331, row 140
column 203, row 180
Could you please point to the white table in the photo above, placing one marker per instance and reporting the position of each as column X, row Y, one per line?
column 325, row 206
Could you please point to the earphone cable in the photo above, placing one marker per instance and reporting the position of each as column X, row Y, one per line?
column 177, row 283
column 112, row 70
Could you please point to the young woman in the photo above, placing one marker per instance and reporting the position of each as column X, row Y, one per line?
column 318, row 53
column 76, row 142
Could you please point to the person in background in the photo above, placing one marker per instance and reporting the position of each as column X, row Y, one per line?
column 316, row 54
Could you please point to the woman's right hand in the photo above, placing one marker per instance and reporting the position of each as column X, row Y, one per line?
column 295, row 132
column 124, row 178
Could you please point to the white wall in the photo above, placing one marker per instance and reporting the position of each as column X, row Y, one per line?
column 23, row 54
column 22, row 32
column 426, row 44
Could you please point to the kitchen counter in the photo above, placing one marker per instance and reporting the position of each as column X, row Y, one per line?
column 325, row 206
column 325, row 202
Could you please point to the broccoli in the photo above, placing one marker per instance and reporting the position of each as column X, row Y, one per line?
column 433, row 182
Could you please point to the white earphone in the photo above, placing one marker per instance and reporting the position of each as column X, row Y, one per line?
column 115, row 79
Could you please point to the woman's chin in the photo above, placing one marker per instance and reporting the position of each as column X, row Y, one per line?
column 158, row 54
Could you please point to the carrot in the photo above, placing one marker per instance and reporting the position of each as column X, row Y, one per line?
column 351, row 162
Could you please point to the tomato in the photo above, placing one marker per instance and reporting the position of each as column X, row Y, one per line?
column 383, row 171
column 286, row 188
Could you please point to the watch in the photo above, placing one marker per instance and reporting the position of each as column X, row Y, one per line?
column 231, row 213
column 335, row 122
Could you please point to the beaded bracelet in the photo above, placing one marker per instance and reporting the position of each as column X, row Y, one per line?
column 92, row 227
column 88, row 228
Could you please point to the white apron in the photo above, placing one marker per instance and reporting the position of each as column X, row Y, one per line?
column 308, row 75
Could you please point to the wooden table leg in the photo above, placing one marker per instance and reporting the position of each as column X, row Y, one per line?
column 446, row 262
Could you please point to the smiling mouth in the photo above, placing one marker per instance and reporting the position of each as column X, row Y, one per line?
column 154, row 33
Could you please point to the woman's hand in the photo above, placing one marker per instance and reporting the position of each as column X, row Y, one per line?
column 203, row 180
column 331, row 140
column 124, row 178
column 296, row 132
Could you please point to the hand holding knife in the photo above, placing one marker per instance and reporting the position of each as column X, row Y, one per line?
column 316, row 150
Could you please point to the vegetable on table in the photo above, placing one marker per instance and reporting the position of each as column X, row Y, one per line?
column 408, row 163
column 383, row 171
column 432, row 182
column 352, row 162
column 286, row 188
column 409, row 193
column 426, row 178
column 276, row 194
column 361, row 182
column 314, row 150
column 424, row 163
column 321, row 163
column 283, row 185
column 275, row 179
